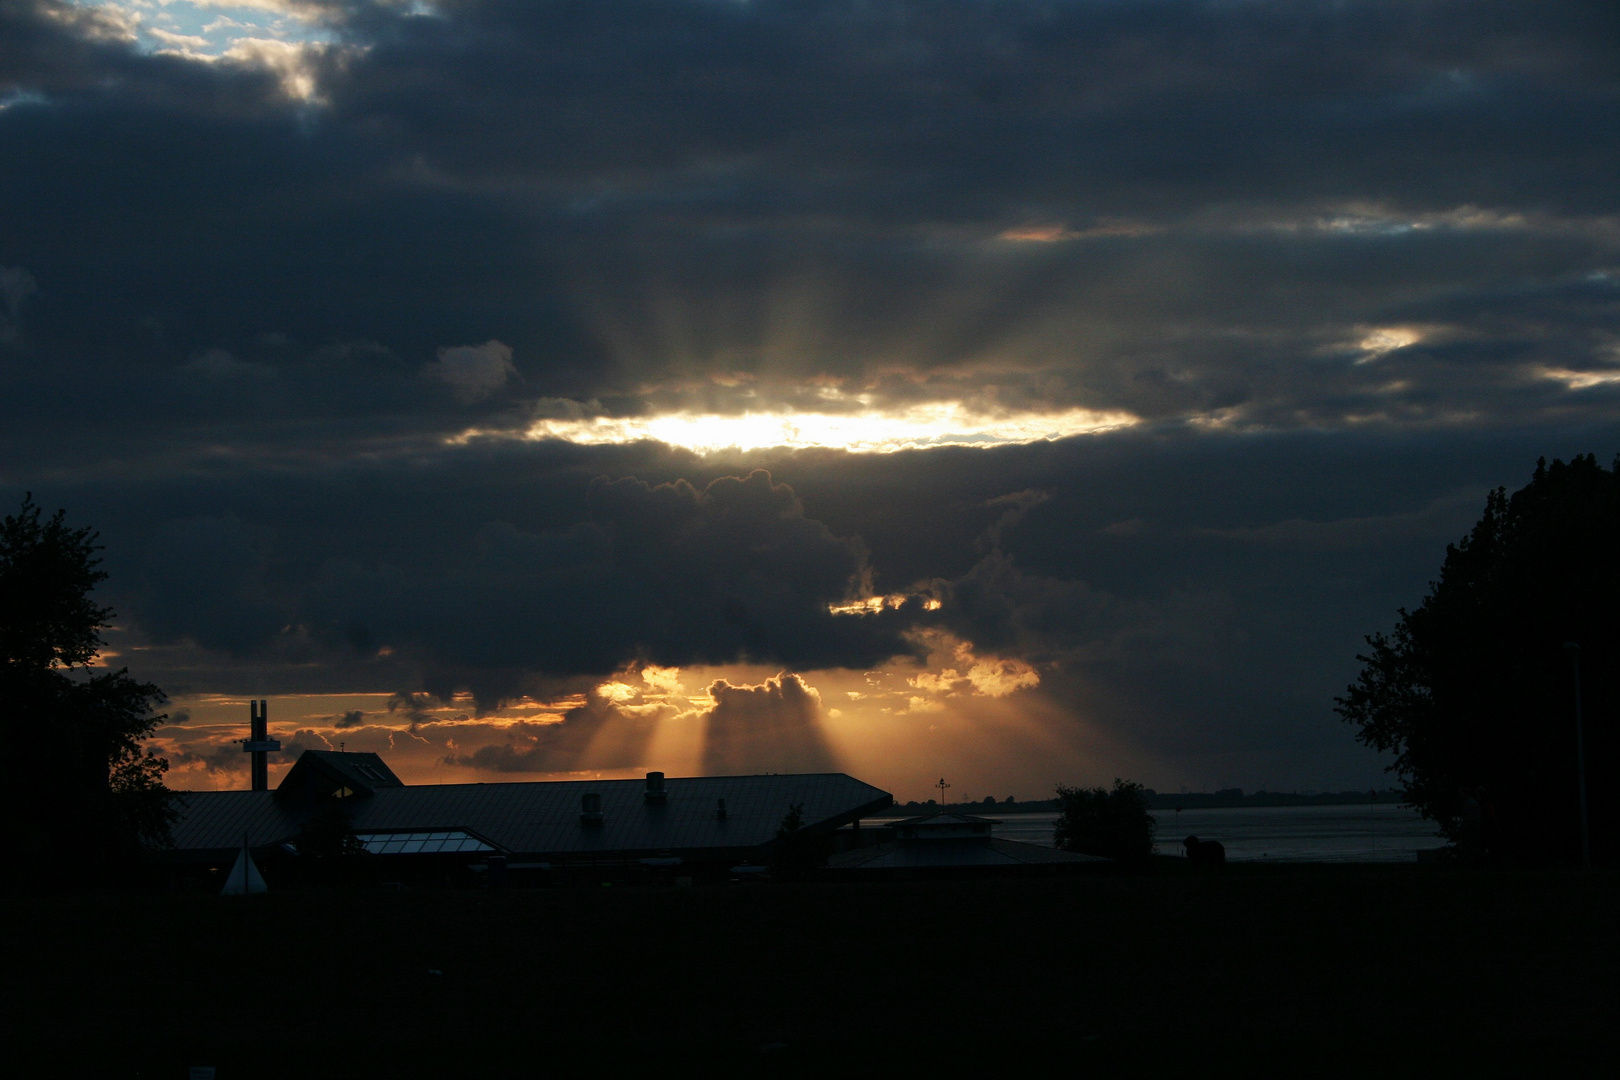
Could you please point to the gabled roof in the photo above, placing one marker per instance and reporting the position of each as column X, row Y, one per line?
column 544, row 819
column 326, row 772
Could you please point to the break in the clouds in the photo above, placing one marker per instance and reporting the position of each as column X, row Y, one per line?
column 433, row 347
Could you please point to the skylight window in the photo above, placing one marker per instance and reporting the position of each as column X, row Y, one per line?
column 443, row 841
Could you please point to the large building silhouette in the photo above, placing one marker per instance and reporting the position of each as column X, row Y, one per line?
column 573, row 829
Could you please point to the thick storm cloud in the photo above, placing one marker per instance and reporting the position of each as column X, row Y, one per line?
column 351, row 328
column 667, row 574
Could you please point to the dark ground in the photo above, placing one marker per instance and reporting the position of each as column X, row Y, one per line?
column 1336, row 971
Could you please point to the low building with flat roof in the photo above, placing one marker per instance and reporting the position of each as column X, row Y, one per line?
column 948, row 843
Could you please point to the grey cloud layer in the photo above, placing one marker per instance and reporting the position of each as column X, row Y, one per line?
column 633, row 196
column 667, row 573
column 236, row 329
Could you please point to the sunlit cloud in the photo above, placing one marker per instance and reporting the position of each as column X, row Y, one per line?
column 662, row 679
column 1037, row 234
column 1582, row 380
column 872, row 605
column 293, row 63
column 178, row 41
column 1386, row 339
column 972, row 673
column 1364, row 219
column 618, row 692
column 914, row 427
column 199, row 29
column 98, row 21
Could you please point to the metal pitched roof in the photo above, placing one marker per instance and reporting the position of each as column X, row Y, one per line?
column 544, row 818
column 212, row 820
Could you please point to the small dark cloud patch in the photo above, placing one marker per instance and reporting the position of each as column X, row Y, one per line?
column 413, row 707
column 351, row 719
column 226, row 760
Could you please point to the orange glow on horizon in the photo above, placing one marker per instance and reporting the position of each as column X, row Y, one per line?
column 983, row 718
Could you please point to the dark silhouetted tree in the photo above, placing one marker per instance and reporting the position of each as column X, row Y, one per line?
column 79, row 789
column 1474, row 691
column 796, row 852
column 1114, row 824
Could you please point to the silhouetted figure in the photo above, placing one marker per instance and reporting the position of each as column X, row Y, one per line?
column 1212, row 852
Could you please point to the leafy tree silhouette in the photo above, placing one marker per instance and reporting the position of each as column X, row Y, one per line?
column 80, row 790
column 1474, row 691
column 1114, row 824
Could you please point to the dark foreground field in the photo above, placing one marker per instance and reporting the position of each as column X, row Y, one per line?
column 1350, row 971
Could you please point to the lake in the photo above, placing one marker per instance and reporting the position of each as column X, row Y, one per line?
column 1377, row 832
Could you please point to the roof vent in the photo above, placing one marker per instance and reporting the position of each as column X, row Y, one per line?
column 590, row 809
column 720, row 810
column 655, row 787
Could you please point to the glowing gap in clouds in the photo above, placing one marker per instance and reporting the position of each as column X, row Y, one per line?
column 1581, row 380
column 873, row 605
column 872, row 432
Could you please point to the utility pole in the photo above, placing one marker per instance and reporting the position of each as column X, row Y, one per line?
column 942, row 785
column 1574, row 651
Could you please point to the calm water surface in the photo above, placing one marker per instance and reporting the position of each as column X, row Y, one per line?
column 1373, row 833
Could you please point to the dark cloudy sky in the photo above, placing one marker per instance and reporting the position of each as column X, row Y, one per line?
column 1019, row 391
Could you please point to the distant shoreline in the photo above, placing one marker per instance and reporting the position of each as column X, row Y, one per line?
column 1231, row 799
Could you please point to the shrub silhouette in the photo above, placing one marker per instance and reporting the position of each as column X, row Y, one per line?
column 1114, row 824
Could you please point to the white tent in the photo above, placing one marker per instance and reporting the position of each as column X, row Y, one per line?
column 245, row 878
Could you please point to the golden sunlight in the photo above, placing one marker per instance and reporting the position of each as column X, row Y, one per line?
column 872, row 605
column 945, row 423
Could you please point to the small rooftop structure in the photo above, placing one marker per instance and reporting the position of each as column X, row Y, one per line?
column 336, row 774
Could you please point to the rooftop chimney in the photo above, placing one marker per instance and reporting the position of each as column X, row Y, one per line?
column 655, row 787
column 590, row 809
column 259, row 743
